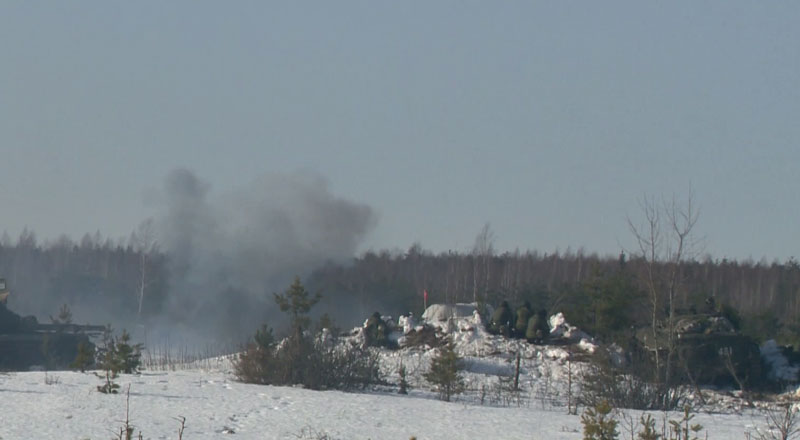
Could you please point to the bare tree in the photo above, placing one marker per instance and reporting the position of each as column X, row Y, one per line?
column 144, row 242
column 664, row 243
column 782, row 423
column 482, row 254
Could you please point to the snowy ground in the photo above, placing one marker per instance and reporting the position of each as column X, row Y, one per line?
column 215, row 406
column 66, row 405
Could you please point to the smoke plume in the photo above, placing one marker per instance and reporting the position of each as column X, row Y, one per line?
column 229, row 252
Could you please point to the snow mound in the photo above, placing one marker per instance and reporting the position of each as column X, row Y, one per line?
column 463, row 325
column 587, row 346
column 561, row 329
column 436, row 313
column 469, row 336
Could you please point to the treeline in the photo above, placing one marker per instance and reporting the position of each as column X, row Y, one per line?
column 131, row 278
column 96, row 276
column 766, row 296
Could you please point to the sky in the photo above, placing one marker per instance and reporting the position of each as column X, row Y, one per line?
column 548, row 120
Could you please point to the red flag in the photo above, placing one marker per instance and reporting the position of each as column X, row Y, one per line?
column 425, row 294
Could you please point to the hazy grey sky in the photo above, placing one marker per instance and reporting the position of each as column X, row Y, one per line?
column 547, row 119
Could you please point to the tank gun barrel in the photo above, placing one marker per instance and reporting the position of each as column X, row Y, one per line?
column 70, row 328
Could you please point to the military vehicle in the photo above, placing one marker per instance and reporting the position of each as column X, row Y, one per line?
column 708, row 351
column 25, row 343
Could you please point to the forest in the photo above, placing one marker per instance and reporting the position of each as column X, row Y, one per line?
column 131, row 281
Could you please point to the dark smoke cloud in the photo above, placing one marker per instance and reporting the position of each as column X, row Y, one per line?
column 229, row 252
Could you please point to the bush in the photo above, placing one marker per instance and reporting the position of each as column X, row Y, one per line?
column 782, row 424
column 314, row 364
column 343, row 367
column 624, row 388
column 255, row 365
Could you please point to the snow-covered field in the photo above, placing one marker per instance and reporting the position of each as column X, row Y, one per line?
column 214, row 406
column 66, row 405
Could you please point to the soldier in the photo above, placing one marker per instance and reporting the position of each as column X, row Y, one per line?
column 376, row 330
column 538, row 329
column 523, row 315
column 502, row 320
column 711, row 307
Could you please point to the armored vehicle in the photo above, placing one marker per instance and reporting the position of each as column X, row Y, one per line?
column 708, row 350
column 25, row 343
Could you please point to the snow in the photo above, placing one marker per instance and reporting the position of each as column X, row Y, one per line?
column 561, row 329
column 68, row 406
column 442, row 312
column 213, row 403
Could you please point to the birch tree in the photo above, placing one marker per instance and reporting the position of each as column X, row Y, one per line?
column 145, row 244
column 482, row 254
column 665, row 241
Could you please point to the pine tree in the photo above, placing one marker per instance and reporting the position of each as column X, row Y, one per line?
column 682, row 430
column 444, row 372
column 117, row 356
column 297, row 301
column 85, row 357
column 648, row 431
column 128, row 356
column 264, row 338
column 403, row 380
column 108, row 362
column 597, row 424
